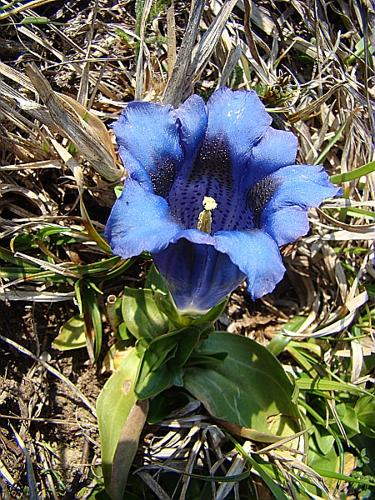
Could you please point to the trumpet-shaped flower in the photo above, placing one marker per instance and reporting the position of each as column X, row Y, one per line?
column 212, row 192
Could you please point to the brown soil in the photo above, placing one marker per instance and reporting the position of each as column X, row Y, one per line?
column 38, row 411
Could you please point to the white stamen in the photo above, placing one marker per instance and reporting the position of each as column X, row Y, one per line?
column 205, row 217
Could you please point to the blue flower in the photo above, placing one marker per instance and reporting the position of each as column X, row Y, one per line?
column 225, row 150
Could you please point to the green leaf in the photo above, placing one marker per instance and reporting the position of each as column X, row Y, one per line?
column 207, row 360
column 114, row 406
column 336, row 137
column 118, row 189
column 114, row 312
column 328, row 461
column 8, row 256
column 141, row 314
column 317, row 460
column 162, row 297
column 360, row 213
column 354, row 174
column 264, row 471
column 163, row 359
column 342, row 477
column 151, row 383
column 321, row 384
column 165, row 305
column 212, row 315
column 90, row 228
column 324, row 440
column 280, row 341
column 365, row 410
column 122, row 332
column 248, row 388
column 187, row 341
column 349, row 418
column 126, row 449
column 22, row 242
column 37, row 20
column 72, row 335
column 359, row 52
column 92, row 317
column 155, row 281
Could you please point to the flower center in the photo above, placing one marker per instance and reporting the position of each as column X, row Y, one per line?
column 205, row 216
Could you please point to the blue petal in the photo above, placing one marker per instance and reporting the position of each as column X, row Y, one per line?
column 193, row 118
column 287, row 224
column 236, row 121
column 198, row 276
column 194, row 236
column 185, row 197
column 139, row 221
column 239, row 118
column 256, row 255
column 276, row 149
column 135, row 169
column 298, row 187
column 148, row 133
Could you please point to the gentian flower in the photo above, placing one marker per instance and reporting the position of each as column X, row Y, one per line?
column 226, row 155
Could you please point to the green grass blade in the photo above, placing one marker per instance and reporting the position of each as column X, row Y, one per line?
column 366, row 169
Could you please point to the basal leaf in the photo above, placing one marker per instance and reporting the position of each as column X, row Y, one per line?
column 248, row 388
column 114, row 405
column 72, row 335
column 126, row 449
